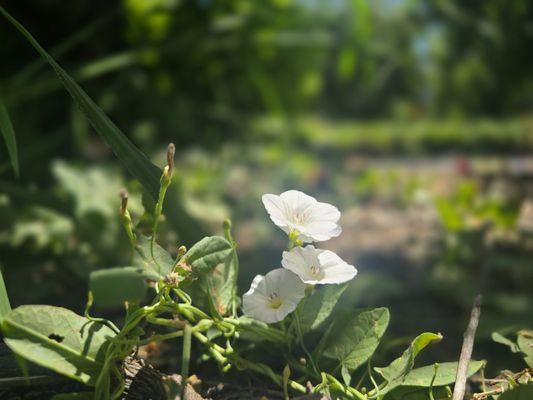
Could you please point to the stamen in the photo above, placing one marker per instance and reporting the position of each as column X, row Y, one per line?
column 314, row 270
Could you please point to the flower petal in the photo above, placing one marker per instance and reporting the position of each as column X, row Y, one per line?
column 336, row 270
column 328, row 266
column 281, row 284
column 276, row 208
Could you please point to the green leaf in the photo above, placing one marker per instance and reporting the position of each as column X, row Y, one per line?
column 58, row 339
column 205, row 255
column 9, row 137
column 353, row 342
column 521, row 392
column 397, row 370
column 445, row 375
column 499, row 338
column 133, row 159
column 5, row 306
column 417, row 393
column 524, row 340
column 315, row 309
column 224, row 283
column 156, row 267
column 114, row 286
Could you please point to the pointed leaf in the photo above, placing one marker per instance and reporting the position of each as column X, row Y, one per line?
column 499, row 338
column 6, row 127
column 5, row 306
column 353, row 342
column 205, row 255
column 399, row 368
column 318, row 307
column 58, row 339
column 133, row 159
column 115, row 286
column 419, row 378
column 445, row 375
column 417, row 393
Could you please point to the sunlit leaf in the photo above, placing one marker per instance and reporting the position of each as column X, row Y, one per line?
column 445, row 374
column 114, row 286
column 205, row 255
column 352, row 342
column 57, row 339
column 399, row 368
column 134, row 160
column 221, row 285
column 6, row 127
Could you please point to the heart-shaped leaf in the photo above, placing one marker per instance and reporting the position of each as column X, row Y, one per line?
column 352, row 342
column 115, row 286
column 57, row 339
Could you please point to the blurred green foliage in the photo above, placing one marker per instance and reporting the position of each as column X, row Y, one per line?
column 265, row 96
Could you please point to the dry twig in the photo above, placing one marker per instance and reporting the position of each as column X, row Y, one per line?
column 466, row 350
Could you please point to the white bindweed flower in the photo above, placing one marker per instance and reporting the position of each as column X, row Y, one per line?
column 315, row 266
column 294, row 211
column 273, row 296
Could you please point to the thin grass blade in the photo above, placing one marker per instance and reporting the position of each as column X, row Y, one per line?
column 133, row 159
column 9, row 137
column 5, row 305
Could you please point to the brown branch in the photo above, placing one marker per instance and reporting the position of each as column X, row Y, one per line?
column 466, row 350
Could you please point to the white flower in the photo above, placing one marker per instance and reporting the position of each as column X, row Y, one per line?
column 315, row 266
column 295, row 211
column 273, row 296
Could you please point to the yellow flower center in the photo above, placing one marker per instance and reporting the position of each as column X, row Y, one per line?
column 275, row 301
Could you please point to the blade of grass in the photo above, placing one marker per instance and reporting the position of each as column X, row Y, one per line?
column 133, row 159
column 9, row 137
column 5, row 306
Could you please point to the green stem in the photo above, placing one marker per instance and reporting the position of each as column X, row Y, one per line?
column 301, row 340
column 185, row 357
column 160, row 338
column 165, row 182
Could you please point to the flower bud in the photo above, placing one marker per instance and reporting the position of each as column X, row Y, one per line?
column 181, row 251
column 124, row 201
column 171, row 150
